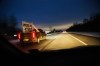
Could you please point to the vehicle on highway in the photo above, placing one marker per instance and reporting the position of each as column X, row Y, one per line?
column 49, row 32
column 31, row 35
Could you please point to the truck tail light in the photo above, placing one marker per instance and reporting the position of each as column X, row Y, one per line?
column 19, row 36
column 33, row 34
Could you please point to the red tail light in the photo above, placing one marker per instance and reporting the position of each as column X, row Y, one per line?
column 33, row 34
column 19, row 36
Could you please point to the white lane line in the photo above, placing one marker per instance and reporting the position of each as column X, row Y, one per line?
column 78, row 40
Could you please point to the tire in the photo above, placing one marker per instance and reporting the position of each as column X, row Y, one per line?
column 44, row 37
column 38, row 41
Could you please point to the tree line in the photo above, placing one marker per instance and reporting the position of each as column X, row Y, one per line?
column 8, row 25
column 88, row 25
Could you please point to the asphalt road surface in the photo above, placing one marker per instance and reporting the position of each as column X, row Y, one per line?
column 58, row 41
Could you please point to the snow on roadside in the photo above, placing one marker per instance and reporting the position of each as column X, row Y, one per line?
column 93, row 34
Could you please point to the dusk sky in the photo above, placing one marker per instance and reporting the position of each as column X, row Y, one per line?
column 44, row 13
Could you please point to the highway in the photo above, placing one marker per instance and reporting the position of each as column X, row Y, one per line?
column 59, row 41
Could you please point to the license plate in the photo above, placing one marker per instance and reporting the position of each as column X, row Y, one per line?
column 26, row 40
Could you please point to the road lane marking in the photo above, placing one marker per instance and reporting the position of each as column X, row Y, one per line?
column 78, row 40
column 47, row 44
